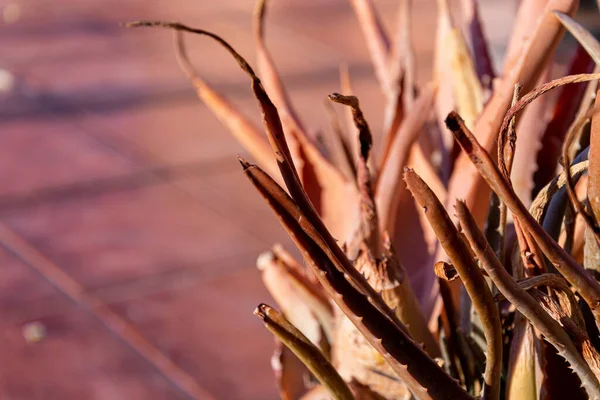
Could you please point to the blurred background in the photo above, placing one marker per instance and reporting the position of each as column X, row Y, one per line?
column 128, row 234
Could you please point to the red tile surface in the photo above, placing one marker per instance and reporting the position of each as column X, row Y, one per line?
column 42, row 153
column 184, row 132
column 233, row 357
column 25, row 294
column 77, row 359
column 125, row 235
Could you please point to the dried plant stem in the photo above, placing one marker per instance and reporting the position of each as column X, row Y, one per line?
column 340, row 148
column 424, row 378
column 554, row 281
column 244, row 130
column 540, row 203
column 473, row 280
column 402, row 75
column 545, row 88
column 389, row 185
column 378, row 41
column 526, row 304
column 271, row 78
column 310, row 355
column 369, row 224
column 352, row 133
column 587, row 286
column 303, row 301
column 592, row 247
column 530, row 47
column 286, row 166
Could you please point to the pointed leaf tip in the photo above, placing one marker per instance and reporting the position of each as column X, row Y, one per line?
column 453, row 121
column 261, row 311
column 245, row 164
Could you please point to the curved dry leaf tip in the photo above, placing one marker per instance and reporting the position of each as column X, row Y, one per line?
column 351, row 101
column 245, row 164
column 184, row 28
column 260, row 10
column 261, row 311
column 583, row 36
column 365, row 138
column 541, row 90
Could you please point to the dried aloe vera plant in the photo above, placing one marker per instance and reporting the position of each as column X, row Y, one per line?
column 497, row 294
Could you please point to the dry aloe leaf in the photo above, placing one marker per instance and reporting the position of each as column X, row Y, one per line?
column 290, row 372
column 583, row 36
column 360, row 391
column 346, row 89
column 523, row 360
column 573, row 103
column 586, row 285
column 539, row 204
column 495, row 227
column 309, row 161
column 521, row 381
column 389, row 184
column 425, row 379
column 565, row 310
column 368, row 225
column 534, row 39
column 481, row 53
column 467, row 89
column 251, row 138
column 592, row 249
column 310, row 355
column 377, row 39
column 532, row 126
column 527, row 305
column 541, row 90
column 387, row 276
column 340, row 148
column 402, row 72
column 591, row 253
column 271, row 78
column 442, row 75
column 469, row 273
column 592, row 228
column 288, row 171
column 354, row 356
column 301, row 300
column 559, row 212
column 396, row 210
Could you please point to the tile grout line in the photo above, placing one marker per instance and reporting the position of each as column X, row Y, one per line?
column 126, row 181
column 122, row 329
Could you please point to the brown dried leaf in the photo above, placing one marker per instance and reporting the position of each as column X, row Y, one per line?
column 377, row 40
column 289, row 371
column 573, row 272
column 473, row 280
column 422, row 375
column 302, row 301
column 526, row 304
column 389, row 187
column 534, row 40
column 305, row 351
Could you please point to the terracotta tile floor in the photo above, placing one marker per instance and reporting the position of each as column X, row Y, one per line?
column 118, row 183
